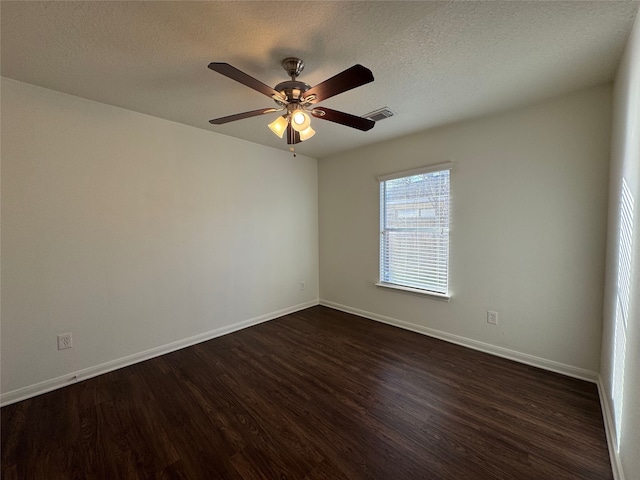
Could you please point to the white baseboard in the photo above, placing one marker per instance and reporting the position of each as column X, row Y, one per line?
column 610, row 429
column 73, row 377
column 525, row 358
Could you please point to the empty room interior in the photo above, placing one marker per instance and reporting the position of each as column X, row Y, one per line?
column 419, row 258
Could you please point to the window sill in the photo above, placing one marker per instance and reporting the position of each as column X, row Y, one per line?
column 437, row 296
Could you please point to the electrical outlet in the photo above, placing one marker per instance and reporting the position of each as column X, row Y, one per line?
column 302, row 285
column 65, row 341
column 492, row 317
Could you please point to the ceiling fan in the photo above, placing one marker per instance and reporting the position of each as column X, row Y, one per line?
column 297, row 99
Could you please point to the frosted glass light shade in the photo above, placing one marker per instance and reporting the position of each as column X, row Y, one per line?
column 307, row 133
column 279, row 126
column 300, row 121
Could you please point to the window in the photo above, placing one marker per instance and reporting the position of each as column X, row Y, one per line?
column 623, row 290
column 414, row 230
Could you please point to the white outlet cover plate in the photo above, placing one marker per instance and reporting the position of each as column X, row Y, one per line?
column 65, row 341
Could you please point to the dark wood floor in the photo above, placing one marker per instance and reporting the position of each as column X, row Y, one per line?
column 318, row 394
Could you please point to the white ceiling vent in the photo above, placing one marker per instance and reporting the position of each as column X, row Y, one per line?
column 380, row 114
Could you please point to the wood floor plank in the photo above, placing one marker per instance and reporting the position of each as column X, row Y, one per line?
column 318, row 394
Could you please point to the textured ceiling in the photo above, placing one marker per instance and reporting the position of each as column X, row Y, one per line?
column 433, row 62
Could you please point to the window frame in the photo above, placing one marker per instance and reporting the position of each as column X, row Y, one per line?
column 382, row 204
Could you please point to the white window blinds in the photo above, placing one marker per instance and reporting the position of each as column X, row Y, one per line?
column 414, row 220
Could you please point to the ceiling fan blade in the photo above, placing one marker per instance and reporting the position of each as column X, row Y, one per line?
column 240, row 116
column 342, row 118
column 239, row 76
column 293, row 136
column 350, row 78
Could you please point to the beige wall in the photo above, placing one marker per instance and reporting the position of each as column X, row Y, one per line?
column 623, row 263
column 529, row 197
column 135, row 233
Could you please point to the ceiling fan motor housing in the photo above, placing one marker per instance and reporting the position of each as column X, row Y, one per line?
column 292, row 90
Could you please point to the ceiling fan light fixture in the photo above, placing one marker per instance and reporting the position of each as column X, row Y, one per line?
column 307, row 133
column 279, row 126
column 300, row 121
